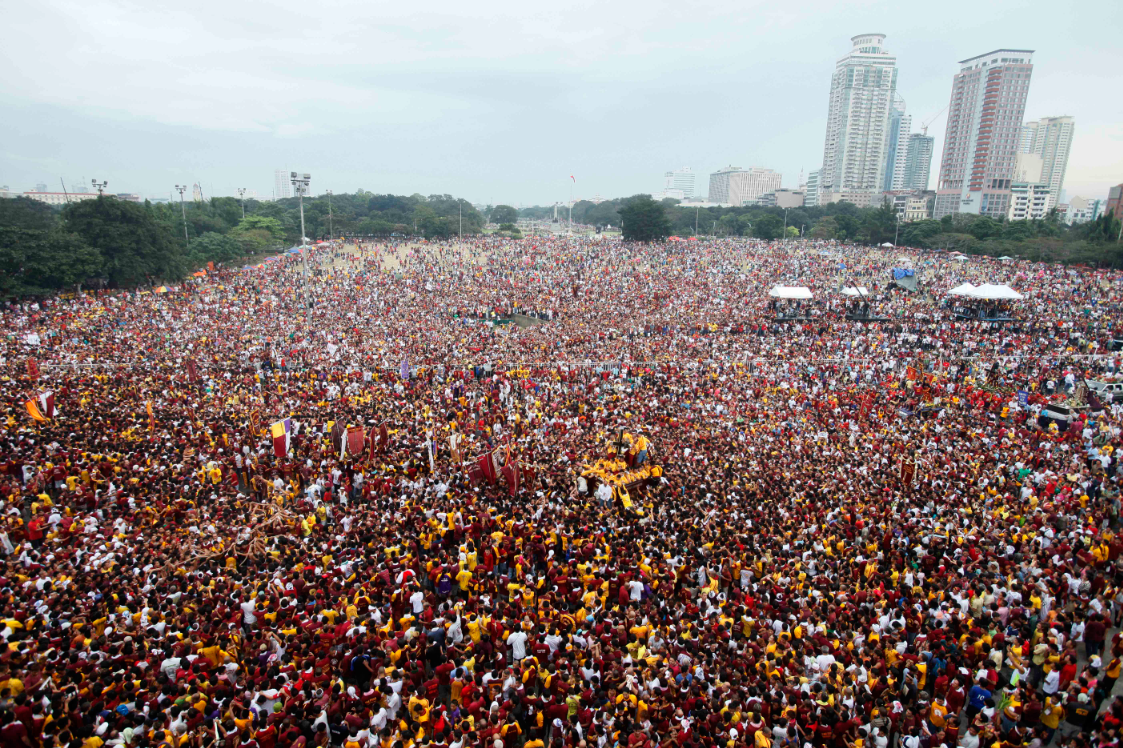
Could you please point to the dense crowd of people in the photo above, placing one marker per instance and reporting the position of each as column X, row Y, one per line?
column 845, row 534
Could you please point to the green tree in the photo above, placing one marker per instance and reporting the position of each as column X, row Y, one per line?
column 256, row 233
column 212, row 247
column 767, row 227
column 826, row 228
column 644, row 220
column 134, row 246
column 504, row 214
column 43, row 261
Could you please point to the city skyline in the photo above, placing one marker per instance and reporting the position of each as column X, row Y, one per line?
column 438, row 103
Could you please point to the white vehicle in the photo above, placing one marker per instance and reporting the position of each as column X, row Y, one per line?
column 1108, row 391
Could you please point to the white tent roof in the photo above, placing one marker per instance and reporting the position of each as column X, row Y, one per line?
column 990, row 291
column 1005, row 257
column 964, row 290
column 887, row 244
column 961, row 258
column 858, row 291
column 791, row 292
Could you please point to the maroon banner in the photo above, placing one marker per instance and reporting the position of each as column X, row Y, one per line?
column 32, row 368
column 192, row 371
column 511, row 473
column 356, row 438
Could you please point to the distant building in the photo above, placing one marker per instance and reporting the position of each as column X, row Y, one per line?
column 860, row 198
column 197, row 193
column 1028, row 201
column 282, row 187
column 1115, row 201
column 131, row 197
column 680, row 180
column 983, row 135
column 855, row 150
column 910, row 205
column 5, row 192
column 918, row 162
column 60, row 198
column 1051, row 139
column 736, row 186
column 781, row 199
column 900, row 128
column 40, row 187
column 811, row 190
column 1083, row 210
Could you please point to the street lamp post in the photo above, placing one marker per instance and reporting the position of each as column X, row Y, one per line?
column 242, row 197
column 697, row 208
column 331, row 226
column 897, row 231
column 784, row 235
column 183, row 188
column 300, row 184
column 99, row 186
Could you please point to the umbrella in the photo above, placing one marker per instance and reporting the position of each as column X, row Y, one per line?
column 161, row 289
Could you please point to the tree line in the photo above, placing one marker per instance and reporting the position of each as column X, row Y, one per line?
column 113, row 243
column 1047, row 239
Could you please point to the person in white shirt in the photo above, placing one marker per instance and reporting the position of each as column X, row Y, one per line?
column 517, row 642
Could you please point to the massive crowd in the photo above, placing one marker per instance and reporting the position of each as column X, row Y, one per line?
column 845, row 534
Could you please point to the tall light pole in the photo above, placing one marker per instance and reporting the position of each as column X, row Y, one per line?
column 242, row 197
column 897, row 231
column 331, row 227
column 460, row 207
column 99, row 186
column 300, row 184
column 784, row 235
column 183, row 188
column 696, row 209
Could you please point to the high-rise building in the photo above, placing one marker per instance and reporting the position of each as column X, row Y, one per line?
column 984, row 133
column 858, row 117
column 681, row 180
column 736, row 186
column 900, row 127
column 282, row 187
column 1029, row 198
column 1051, row 139
column 197, row 193
column 811, row 190
column 918, row 162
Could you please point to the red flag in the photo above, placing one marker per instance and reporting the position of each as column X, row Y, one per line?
column 383, row 437
column 356, row 438
column 192, row 371
column 486, row 466
column 511, row 473
column 476, row 473
column 32, row 368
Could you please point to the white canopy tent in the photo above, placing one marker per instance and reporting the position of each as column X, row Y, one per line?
column 855, row 291
column 964, row 290
column 791, row 292
column 991, row 292
column 887, row 244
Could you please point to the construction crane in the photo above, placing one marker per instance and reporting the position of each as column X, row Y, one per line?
column 925, row 123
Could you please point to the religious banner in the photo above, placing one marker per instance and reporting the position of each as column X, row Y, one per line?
column 356, row 438
column 511, row 473
column 192, row 371
column 908, row 470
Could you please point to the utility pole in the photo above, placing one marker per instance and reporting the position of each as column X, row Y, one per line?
column 300, row 184
column 331, row 226
column 183, row 188
column 242, row 197
column 898, row 230
column 784, row 235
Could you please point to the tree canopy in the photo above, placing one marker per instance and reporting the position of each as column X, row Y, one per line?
column 644, row 220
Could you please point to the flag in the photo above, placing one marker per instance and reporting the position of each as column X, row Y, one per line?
column 33, row 410
column 476, row 473
column 281, row 432
column 47, row 404
column 32, row 368
column 383, row 436
column 356, row 438
column 338, row 431
column 151, row 416
column 192, row 371
column 573, row 178
column 403, row 372
column 210, row 266
column 511, row 473
column 485, row 465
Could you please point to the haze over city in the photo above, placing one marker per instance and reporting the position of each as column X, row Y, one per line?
column 503, row 103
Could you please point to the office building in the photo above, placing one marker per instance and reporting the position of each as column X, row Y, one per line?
column 984, row 133
column 811, row 190
column 781, row 199
column 5, row 192
column 1028, row 201
column 900, row 128
column 1115, row 201
column 736, row 186
column 1051, row 139
column 858, row 119
column 282, row 187
column 1083, row 210
column 918, row 162
column 679, row 180
column 60, row 198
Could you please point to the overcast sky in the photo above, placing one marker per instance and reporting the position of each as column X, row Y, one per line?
column 502, row 101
